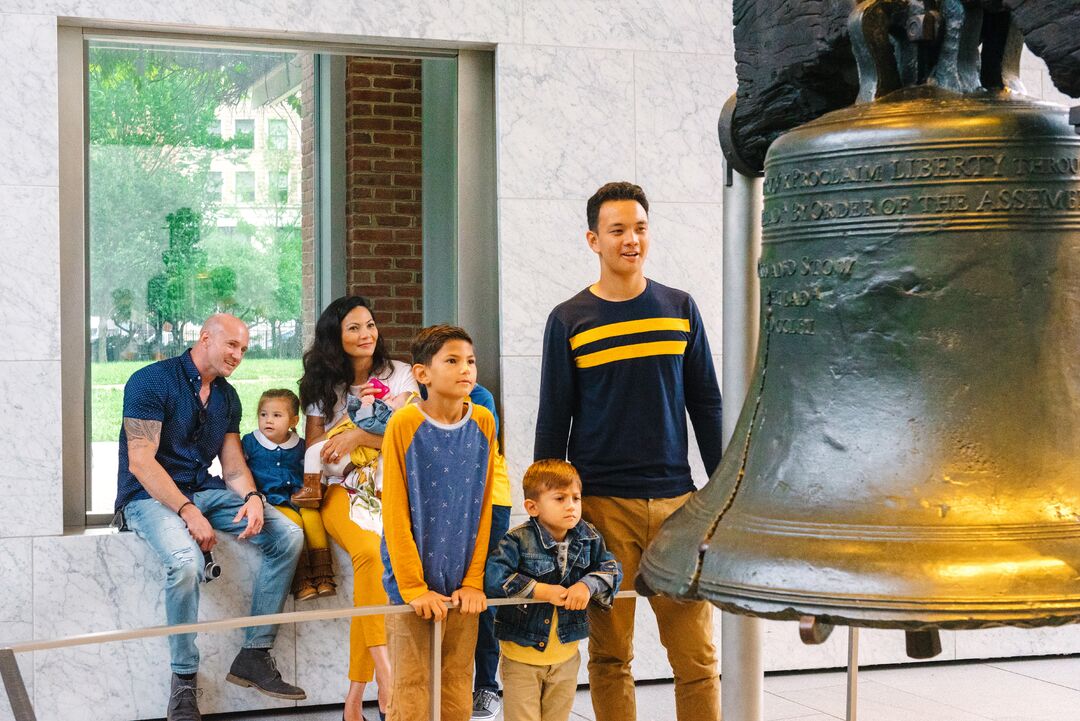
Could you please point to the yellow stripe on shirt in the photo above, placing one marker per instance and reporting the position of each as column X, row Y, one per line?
column 625, row 352
column 645, row 325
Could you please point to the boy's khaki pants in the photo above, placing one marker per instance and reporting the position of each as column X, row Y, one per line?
column 539, row 693
column 409, row 641
column 628, row 525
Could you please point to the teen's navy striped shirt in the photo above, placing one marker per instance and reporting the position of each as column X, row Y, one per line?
column 617, row 382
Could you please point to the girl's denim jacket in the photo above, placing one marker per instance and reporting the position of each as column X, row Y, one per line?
column 527, row 555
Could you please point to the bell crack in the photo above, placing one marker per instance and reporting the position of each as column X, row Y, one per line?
column 704, row 547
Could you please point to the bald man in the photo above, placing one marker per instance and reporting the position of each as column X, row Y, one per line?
column 180, row 414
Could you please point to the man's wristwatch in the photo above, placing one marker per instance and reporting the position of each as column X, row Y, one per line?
column 255, row 493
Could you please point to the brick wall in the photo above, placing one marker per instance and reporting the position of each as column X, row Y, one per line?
column 382, row 206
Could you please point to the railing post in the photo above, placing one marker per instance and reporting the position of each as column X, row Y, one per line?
column 436, row 670
column 852, row 673
column 21, row 708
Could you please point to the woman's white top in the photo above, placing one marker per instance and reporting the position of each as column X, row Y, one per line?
column 365, row 507
column 399, row 379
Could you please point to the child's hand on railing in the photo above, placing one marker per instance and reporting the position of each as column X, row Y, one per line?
column 430, row 606
column 469, row 600
column 549, row 593
column 577, row 597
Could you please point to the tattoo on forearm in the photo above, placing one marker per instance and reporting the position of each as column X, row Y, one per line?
column 140, row 432
column 233, row 475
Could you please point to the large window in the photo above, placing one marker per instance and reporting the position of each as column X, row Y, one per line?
column 210, row 176
column 179, row 229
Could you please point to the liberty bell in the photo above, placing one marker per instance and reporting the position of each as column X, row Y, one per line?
column 908, row 455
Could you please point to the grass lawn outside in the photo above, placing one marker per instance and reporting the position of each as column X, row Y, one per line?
column 250, row 379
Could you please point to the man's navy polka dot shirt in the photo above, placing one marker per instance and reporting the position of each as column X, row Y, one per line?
column 191, row 434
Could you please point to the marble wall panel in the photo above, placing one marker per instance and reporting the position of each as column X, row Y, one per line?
column 1037, row 81
column 457, row 20
column 106, row 581
column 1032, row 72
column 322, row 647
column 30, row 477
column 686, row 253
column 16, row 602
column 451, row 20
column 29, row 244
column 1006, row 642
column 565, row 120
column 679, row 26
column 544, row 259
column 16, row 608
column 28, row 121
column 521, row 394
column 678, row 99
column 783, row 651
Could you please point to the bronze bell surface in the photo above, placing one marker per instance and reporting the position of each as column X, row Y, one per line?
column 909, row 452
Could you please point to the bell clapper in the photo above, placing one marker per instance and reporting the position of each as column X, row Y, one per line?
column 923, row 644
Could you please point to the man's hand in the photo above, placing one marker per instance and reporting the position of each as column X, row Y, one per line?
column 470, row 600
column 548, row 593
column 577, row 597
column 253, row 512
column 199, row 528
column 430, row 606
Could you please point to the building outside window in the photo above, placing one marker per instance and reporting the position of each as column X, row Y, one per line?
column 277, row 134
column 214, row 186
column 213, row 131
column 245, row 186
column 244, row 133
column 168, row 244
column 279, row 186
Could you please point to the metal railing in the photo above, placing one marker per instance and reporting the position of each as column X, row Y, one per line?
column 23, row 710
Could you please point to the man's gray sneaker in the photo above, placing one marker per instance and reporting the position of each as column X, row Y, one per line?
column 255, row 667
column 485, row 704
column 183, row 700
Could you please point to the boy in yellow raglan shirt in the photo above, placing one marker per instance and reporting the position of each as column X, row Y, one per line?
column 438, row 463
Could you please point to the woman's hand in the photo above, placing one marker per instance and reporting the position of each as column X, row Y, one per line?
column 340, row 446
column 366, row 389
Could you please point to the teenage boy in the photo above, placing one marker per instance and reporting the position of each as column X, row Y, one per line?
column 437, row 470
column 624, row 361
column 558, row 559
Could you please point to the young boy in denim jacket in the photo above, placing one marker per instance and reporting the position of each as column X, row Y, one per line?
column 438, row 461
column 558, row 559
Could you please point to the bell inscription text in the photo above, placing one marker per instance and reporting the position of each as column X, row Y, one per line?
column 865, row 189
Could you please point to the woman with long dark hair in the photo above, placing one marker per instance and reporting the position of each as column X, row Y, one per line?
column 344, row 358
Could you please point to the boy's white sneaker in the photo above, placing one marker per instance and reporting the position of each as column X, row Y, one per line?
column 485, row 704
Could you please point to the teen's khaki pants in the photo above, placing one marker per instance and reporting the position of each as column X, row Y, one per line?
column 628, row 525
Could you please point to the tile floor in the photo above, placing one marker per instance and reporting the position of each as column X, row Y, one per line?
column 1043, row 689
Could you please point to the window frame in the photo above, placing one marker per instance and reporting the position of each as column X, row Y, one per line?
column 476, row 192
column 273, row 137
column 249, row 135
column 254, row 189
